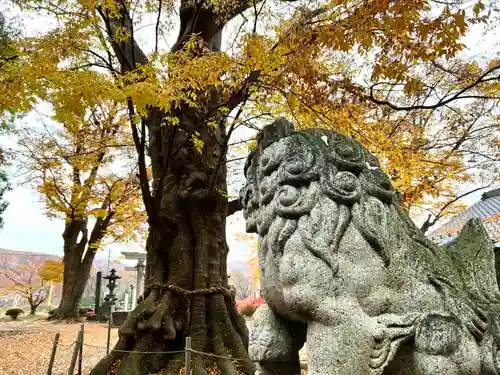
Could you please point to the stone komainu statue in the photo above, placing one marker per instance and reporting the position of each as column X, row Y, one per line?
column 344, row 268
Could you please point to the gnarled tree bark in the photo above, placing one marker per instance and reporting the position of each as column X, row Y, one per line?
column 186, row 275
column 79, row 254
column 186, row 290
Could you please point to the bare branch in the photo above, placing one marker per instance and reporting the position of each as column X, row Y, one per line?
column 157, row 27
column 433, row 219
column 140, row 149
column 458, row 95
column 234, row 206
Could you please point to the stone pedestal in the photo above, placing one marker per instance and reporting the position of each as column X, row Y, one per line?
column 119, row 318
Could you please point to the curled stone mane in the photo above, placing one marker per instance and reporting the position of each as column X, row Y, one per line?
column 308, row 190
column 315, row 181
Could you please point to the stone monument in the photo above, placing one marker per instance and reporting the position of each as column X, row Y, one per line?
column 345, row 269
column 98, row 281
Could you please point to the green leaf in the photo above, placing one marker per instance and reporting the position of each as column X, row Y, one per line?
column 197, row 143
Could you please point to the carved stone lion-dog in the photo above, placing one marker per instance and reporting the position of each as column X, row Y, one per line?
column 345, row 269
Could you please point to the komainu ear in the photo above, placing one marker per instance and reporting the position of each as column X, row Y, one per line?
column 278, row 129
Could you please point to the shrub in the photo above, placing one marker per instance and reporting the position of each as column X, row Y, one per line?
column 82, row 311
column 249, row 301
column 14, row 312
column 248, row 306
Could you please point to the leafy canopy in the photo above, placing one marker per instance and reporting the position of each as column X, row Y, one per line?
column 52, row 270
column 321, row 63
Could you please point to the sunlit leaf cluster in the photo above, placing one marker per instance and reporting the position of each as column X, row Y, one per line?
column 83, row 167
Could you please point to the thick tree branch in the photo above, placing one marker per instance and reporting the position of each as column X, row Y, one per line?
column 222, row 156
column 233, row 206
column 128, row 52
column 198, row 17
column 157, row 26
column 140, row 142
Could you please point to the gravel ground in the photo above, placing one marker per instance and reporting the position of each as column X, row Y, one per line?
column 26, row 346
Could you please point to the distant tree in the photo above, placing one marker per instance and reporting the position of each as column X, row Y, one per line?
column 242, row 282
column 4, row 187
column 31, row 279
column 435, row 134
column 52, row 270
column 253, row 256
column 441, row 133
column 83, row 171
column 7, row 33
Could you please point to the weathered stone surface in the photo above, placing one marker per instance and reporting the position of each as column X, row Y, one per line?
column 343, row 267
column 275, row 340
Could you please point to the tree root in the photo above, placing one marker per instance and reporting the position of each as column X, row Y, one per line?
column 134, row 363
column 107, row 362
column 58, row 316
column 238, row 321
column 160, row 323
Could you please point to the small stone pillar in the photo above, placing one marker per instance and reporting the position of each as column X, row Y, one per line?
column 140, row 278
column 125, row 301
column 133, row 297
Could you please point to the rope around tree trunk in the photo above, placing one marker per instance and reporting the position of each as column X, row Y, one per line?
column 227, row 292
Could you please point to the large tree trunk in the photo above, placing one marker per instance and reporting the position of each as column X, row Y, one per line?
column 186, row 290
column 32, row 308
column 78, row 258
column 79, row 254
column 76, row 275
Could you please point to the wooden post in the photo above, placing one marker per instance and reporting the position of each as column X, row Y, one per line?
column 53, row 354
column 110, row 324
column 187, row 364
column 76, row 349
column 80, row 357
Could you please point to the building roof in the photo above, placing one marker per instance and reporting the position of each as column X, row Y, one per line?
column 487, row 209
